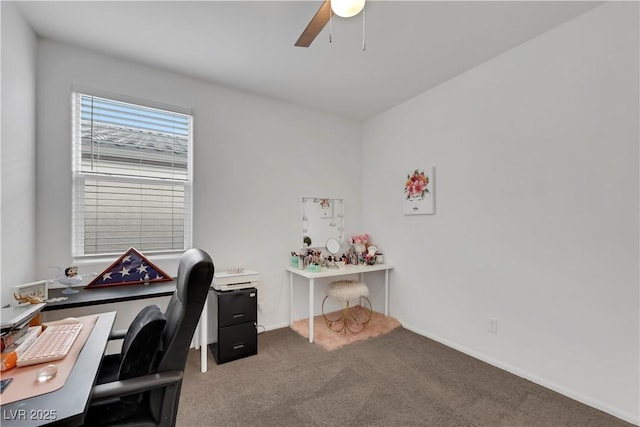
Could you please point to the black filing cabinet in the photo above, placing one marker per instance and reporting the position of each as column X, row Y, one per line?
column 237, row 314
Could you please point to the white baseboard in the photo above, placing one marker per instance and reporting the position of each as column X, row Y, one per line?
column 277, row 326
column 616, row 412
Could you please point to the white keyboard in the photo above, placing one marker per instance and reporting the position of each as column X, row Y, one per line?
column 53, row 344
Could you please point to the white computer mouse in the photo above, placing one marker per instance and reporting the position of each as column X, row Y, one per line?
column 45, row 373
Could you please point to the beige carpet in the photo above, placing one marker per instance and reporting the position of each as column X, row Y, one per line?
column 331, row 340
column 399, row 379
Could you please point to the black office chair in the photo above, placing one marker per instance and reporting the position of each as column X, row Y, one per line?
column 136, row 359
column 156, row 394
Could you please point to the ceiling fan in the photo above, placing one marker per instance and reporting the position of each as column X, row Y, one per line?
column 342, row 8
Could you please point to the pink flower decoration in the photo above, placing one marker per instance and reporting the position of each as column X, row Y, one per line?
column 416, row 185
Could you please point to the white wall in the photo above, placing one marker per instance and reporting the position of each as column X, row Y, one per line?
column 17, row 152
column 536, row 193
column 254, row 160
column 536, row 223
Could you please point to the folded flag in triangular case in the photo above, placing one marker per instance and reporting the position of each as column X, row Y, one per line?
column 132, row 268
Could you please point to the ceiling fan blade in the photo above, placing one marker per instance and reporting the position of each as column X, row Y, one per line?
column 316, row 24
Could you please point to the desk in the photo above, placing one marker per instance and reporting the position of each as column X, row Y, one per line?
column 95, row 296
column 71, row 400
column 113, row 294
column 334, row 272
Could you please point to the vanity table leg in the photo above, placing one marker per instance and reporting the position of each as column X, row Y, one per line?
column 311, row 292
column 386, row 292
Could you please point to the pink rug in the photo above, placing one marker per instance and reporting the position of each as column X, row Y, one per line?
column 330, row 340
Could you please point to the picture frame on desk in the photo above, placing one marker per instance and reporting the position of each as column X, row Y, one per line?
column 29, row 293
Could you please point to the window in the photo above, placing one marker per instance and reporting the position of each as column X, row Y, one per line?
column 131, row 177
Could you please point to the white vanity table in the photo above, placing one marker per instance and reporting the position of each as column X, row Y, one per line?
column 333, row 272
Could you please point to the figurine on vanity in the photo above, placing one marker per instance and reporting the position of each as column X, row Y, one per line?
column 370, row 257
column 332, row 262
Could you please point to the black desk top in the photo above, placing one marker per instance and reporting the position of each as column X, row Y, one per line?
column 67, row 405
column 94, row 296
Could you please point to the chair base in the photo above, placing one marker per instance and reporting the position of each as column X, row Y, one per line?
column 347, row 321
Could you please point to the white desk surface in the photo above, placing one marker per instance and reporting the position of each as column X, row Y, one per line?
column 342, row 271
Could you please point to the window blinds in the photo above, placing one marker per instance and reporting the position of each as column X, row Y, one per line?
column 132, row 177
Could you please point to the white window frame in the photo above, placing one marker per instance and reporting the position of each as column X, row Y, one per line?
column 79, row 177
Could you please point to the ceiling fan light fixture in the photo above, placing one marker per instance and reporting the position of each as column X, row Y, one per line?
column 347, row 8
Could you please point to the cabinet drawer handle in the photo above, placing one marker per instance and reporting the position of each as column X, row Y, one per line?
column 238, row 346
column 238, row 315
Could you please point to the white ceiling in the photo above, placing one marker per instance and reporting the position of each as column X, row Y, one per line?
column 411, row 46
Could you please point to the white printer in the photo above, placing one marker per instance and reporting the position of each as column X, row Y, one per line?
column 229, row 281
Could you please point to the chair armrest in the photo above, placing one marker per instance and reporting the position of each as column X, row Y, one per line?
column 135, row 385
column 117, row 334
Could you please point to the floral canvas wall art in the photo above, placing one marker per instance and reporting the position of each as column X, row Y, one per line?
column 418, row 192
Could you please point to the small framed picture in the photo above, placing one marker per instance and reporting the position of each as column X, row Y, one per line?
column 29, row 293
column 418, row 192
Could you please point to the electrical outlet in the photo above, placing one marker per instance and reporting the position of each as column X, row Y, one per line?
column 492, row 325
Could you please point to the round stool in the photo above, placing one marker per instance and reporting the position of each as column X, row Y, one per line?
column 346, row 291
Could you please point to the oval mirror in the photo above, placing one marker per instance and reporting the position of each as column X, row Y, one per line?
column 333, row 246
